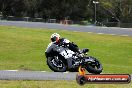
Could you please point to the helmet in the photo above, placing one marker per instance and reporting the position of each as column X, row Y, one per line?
column 55, row 37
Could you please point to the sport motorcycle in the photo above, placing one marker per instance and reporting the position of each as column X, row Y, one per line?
column 60, row 59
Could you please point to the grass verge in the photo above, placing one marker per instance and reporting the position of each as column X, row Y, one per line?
column 57, row 84
column 23, row 48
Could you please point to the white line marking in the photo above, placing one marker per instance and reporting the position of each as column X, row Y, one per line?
column 89, row 32
column 124, row 35
column 100, row 33
column 111, row 34
column 65, row 72
column 124, row 28
column 11, row 70
column 104, row 33
column 43, row 71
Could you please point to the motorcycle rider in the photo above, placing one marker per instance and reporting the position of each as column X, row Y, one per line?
column 62, row 59
column 55, row 38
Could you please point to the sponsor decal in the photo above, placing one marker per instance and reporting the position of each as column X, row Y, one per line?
column 83, row 78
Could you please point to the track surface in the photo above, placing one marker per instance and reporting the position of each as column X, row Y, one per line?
column 39, row 75
column 93, row 29
column 36, row 75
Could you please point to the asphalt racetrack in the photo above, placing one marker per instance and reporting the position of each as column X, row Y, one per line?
column 36, row 75
column 42, row 75
column 93, row 29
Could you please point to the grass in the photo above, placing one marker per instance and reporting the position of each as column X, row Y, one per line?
column 57, row 84
column 23, row 49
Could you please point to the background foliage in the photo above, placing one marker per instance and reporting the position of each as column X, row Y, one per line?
column 112, row 10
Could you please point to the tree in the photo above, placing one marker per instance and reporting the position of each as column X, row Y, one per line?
column 5, row 6
column 119, row 9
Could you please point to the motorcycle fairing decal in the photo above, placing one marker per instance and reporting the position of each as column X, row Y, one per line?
column 67, row 53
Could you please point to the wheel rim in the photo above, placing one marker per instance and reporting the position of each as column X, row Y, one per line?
column 57, row 63
column 95, row 65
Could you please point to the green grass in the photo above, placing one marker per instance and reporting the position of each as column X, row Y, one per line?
column 57, row 84
column 23, row 49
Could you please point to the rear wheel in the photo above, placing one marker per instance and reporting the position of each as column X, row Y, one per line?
column 56, row 64
column 94, row 67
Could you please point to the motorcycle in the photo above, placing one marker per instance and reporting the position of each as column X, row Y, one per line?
column 60, row 59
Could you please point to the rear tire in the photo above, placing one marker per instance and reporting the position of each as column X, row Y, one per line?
column 53, row 67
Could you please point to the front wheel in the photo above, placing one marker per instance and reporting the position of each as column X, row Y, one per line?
column 56, row 64
column 94, row 67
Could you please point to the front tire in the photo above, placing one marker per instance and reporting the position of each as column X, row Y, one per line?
column 96, row 68
column 56, row 64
